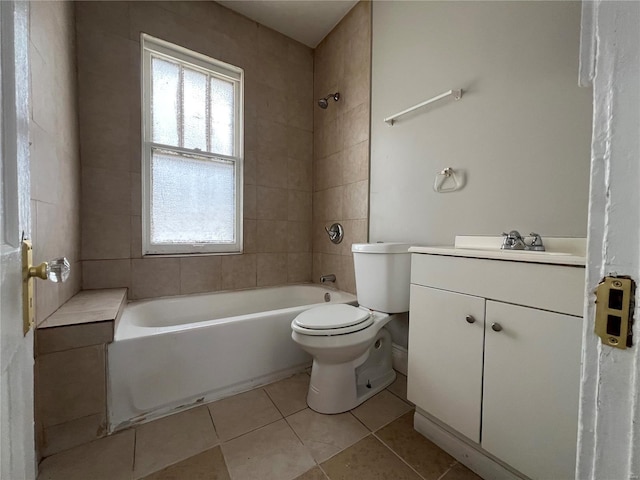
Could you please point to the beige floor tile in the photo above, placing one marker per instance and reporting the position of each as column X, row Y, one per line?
column 460, row 472
column 269, row 453
column 424, row 456
column 171, row 439
column 368, row 459
column 290, row 394
column 313, row 474
column 207, row 465
column 399, row 386
column 380, row 410
column 109, row 458
column 237, row 415
column 326, row 435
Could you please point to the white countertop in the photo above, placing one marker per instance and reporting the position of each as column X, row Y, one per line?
column 560, row 251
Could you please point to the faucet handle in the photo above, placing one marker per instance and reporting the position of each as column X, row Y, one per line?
column 536, row 242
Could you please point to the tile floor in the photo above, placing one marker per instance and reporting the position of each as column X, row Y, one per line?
column 267, row 434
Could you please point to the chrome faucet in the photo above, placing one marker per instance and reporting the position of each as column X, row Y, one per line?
column 536, row 244
column 513, row 241
column 328, row 278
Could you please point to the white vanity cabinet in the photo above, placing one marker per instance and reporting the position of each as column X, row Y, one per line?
column 494, row 354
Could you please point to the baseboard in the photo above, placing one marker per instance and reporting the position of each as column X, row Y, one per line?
column 400, row 358
column 467, row 453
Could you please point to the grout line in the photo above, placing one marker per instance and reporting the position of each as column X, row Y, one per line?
column 398, row 455
column 272, row 401
column 135, row 444
column 215, row 430
column 301, row 442
column 441, row 477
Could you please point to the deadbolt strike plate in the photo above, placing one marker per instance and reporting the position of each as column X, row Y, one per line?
column 28, row 310
column 614, row 311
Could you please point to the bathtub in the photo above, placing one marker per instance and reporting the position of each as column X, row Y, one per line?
column 171, row 353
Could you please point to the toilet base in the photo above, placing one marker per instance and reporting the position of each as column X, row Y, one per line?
column 338, row 388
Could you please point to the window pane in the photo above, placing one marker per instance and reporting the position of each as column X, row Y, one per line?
column 195, row 109
column 222, row 116
column 164, row 101
column 192, row 199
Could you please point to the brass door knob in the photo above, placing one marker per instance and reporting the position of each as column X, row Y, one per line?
column 56, row 270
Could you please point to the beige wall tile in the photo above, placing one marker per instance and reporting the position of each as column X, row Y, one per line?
column 299, row 206
column 71, row 385
column 341, row 143
column 200, row 274
column 270, row 104
column 57, row 339
column 356, row 163
column 106, row 274
column 250, row 238
column 299, row 143
column 106, row 191
column 136, row 236
column 154, row 277
column 273, row 236
column 238, row 271
column 58, row 438
column 108, row 458
column 110, row 16
column 272, row 203
column 278, row 131
column 355, row 203
column 105, row 236
column 357, row 120
column 272, row 169
column 299, row 267
column 299, row 237
column 250, row 206
column 300, row 174
column 271, row 269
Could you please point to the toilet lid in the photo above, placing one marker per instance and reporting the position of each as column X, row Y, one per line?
column 328, row 317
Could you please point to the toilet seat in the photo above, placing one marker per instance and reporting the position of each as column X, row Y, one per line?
column 334, row 319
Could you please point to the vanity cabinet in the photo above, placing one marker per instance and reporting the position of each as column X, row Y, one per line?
column 496, row 366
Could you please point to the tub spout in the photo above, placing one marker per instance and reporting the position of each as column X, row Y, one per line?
column 328, row 278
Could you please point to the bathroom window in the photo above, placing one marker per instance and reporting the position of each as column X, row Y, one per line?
column 192, row 151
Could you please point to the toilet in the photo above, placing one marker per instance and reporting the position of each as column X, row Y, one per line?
column 351, row 349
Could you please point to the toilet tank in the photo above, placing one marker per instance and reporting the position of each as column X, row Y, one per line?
column 383, row 273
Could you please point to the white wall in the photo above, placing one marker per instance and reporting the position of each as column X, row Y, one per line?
column 521, row 132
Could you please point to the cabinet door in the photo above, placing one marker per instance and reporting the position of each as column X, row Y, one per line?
column 445, row 357
column 531, row 389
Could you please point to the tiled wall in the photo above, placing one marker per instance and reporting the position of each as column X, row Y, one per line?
column 55, row 163
column 278, row 148
column 341, row 144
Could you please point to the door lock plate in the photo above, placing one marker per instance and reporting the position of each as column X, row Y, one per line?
column 614, row 311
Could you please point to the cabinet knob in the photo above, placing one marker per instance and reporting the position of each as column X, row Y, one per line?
column 470, row 319
column 496, row 327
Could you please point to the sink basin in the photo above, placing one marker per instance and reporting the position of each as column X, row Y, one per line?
column 519, row 252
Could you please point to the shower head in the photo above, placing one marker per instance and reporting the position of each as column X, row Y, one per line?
column 324, row 102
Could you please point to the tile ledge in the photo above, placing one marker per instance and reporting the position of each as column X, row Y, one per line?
column 88, row 306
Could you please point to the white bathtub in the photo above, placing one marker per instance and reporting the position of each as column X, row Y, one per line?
column 170, row 353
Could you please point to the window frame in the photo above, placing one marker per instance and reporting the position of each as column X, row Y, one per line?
column 150, row 47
